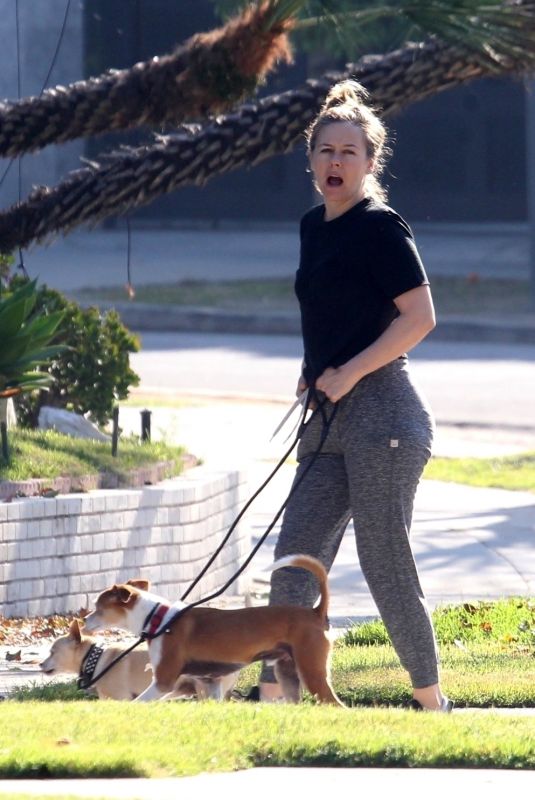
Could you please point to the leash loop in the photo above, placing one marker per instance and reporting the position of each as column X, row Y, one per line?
column 312, row 394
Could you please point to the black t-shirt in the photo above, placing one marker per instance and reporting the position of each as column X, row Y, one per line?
column 351, row 269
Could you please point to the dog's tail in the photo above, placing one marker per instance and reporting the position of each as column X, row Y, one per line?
column 312, row 565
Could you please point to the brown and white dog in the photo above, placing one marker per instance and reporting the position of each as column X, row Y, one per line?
column 214, row 642
column 130, row 676
column 125, row 681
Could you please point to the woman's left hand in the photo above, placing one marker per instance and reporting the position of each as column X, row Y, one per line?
column 336, row 383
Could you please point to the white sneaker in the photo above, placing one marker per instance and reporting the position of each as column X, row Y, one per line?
column 446, row 707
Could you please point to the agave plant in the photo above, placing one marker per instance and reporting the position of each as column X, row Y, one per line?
column 25, row 342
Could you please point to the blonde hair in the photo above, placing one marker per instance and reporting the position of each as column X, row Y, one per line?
column 347, row 101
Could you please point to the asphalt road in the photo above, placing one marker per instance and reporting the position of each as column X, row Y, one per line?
column 466, row 383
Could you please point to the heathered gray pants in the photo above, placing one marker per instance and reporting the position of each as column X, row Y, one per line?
column 369, row 468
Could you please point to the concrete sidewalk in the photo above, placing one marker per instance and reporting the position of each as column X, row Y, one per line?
column 314, row 783
column 469, row 543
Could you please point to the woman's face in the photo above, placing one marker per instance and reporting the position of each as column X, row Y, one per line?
column 340, row 164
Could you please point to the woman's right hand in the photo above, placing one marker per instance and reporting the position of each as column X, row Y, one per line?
column 302, row 385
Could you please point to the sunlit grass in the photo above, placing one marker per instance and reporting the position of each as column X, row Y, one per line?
column 48, row 454
column 507, row 472
column 181, row 738
column 487, row 655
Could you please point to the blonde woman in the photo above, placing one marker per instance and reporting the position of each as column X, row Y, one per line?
column 365, row 302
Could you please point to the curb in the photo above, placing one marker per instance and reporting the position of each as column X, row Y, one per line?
column 196, row 319
column 130, row 479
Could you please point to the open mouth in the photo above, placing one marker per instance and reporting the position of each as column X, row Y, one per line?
column 334, row 180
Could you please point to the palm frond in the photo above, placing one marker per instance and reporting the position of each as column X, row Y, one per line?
column 131, row 178
column 282, row 10
column 207, row 74
column 493, row 29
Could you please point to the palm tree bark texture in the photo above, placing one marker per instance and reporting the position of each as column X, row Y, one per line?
column 209, row 73
column 132, row 177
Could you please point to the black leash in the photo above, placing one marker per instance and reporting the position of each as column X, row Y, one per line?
column 326, row 426
column 327, row 422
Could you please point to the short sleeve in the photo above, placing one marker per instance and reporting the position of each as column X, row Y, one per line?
column 397, row 266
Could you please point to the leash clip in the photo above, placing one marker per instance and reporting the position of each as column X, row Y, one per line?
column 302, row 401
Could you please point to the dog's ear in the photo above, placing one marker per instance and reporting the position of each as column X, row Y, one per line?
column 74, row 630
column 122, row 592
column 139, row 583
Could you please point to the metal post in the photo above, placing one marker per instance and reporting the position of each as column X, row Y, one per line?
column 115, row 431
column 145, row 425
column 5, row 446
column 530, row 187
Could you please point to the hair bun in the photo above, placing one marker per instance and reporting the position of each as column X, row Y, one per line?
column 348, row 92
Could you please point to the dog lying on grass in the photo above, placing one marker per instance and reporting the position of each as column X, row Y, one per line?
column 127, row 679
column 211, row 642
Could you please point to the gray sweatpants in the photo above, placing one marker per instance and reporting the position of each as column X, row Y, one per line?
column 369, row 468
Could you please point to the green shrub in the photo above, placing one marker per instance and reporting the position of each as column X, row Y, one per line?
column 94, row 373
column 510, row 621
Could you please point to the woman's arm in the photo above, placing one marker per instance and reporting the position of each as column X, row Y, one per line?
column 416, row 319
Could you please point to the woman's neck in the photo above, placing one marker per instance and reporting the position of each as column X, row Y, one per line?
column 333, row 210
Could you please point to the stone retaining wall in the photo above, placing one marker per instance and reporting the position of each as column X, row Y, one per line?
column 57, row 553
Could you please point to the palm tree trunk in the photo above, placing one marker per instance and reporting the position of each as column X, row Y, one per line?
column 132, row 178
column 210, row 73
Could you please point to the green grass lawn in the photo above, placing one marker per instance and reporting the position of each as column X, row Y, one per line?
column 506, row 472
column 487, row 660
column 480, row 676
column 181, row 738
column 48, row 454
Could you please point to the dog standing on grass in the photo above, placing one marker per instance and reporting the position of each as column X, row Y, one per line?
column 214, row 642
column 131, row 676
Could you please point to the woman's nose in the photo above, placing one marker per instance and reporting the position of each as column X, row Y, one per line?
column 335, row 159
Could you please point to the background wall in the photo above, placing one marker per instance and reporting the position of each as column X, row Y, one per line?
column 40, row 23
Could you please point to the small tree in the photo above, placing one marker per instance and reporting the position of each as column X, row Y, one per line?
column 92, row 372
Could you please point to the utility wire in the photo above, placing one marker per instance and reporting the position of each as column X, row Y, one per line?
column 45, row 83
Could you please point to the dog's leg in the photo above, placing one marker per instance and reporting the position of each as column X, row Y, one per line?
column 152, row 692
column 209, row 689
column 288, row 680
column 227, row 684
column 318, row 684
column 312, row 663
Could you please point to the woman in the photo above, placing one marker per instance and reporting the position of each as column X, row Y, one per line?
column 365, row 301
